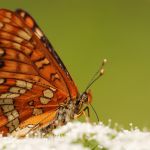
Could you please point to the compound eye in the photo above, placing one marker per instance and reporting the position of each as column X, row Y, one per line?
column 85, row 97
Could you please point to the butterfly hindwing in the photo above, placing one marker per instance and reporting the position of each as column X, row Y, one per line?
column 21, row 101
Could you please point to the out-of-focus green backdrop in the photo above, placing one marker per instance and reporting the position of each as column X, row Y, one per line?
column 84, row 32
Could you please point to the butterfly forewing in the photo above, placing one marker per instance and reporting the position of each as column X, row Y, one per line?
column 30, row 22
column 33, row 80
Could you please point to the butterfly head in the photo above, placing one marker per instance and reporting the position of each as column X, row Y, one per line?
column 86, row 97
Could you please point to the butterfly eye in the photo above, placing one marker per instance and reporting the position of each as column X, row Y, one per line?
column 85, row 97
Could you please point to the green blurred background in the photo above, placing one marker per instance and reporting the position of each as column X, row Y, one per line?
column 84, row 33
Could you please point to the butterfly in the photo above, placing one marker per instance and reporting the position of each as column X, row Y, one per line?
column 36, row 90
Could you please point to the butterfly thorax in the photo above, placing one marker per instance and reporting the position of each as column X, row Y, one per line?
column 71, row 109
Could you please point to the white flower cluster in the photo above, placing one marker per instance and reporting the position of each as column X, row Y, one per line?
column 82, row 136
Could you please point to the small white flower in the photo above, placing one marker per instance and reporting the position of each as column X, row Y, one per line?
column 82, row 136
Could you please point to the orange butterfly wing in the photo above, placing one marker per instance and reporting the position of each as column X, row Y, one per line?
column 33, row 79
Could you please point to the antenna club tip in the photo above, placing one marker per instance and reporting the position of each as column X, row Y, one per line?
column 105, row 60
column 102, row 71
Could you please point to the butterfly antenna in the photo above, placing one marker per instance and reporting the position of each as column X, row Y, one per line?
column 97, row 75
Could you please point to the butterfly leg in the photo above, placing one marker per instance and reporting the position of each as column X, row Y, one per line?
column 84, row 112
